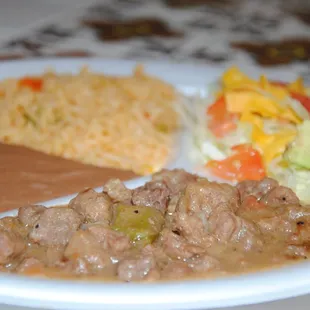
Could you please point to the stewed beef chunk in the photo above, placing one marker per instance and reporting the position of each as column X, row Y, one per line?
column 204, row 263
column 117, row 191
column 176, row 180
column 176, row 270
column 85, row 253
column 280, row 195
column 110, row 239
column 152, row 194
column 13, row 225
column 176, row 246
column 256, row 188
column 93, row 206
column 28, row 215
column 55, row 226
column 138, row 268
column 208, row 197
column 11, row 245
column 230, row 228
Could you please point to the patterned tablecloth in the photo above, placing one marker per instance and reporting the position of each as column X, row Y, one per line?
column 223, row 32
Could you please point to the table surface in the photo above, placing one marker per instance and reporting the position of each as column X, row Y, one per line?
column 262, row 33
column 268, row 34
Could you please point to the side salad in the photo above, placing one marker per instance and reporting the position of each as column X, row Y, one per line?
column 250, row 129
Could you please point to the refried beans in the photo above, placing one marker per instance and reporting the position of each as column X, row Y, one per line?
column 28, row 176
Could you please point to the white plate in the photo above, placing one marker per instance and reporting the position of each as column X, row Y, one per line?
column 201, row 294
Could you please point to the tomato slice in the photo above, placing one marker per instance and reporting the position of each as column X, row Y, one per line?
column 245, row 164
column 217, row 108
column 32, row 82
column 221, row 121
column 304, row 100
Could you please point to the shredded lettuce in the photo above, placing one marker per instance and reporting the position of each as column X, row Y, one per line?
column 293, row 177
column 300, row 110
column 272, row 126
column 241, row 135
column 299, row 151
column 299, row 182
column 206, row 144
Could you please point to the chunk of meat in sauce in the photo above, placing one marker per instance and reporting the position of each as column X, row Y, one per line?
column 175, row 180
column 172, row 205
column 203, row 263
column 227, row 227
column 162, row 259
column 295, row 225
column 30, row 214
column 152, row 194
column 93, row 206
column 194, row 228
column 86, row 254
column 201, row 200
column 302, row 236
column 117, row 191
column 177, row 247
column 31, row 266
column 13, row 225
column 294, row 251
column 280, row 195
column 171, row 209
column 288, row 223
column 55, row 226
column 208, row 197
column 176, row 270
column 279, row 225
column 137, row 269
column 256, row 188
column 109, row 238
column 50, row 256
column 54, row 255
column 11, row 245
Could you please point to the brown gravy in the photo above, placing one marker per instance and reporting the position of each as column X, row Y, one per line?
column 232, row 264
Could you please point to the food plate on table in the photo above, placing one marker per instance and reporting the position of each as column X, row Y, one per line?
column 222, row 290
